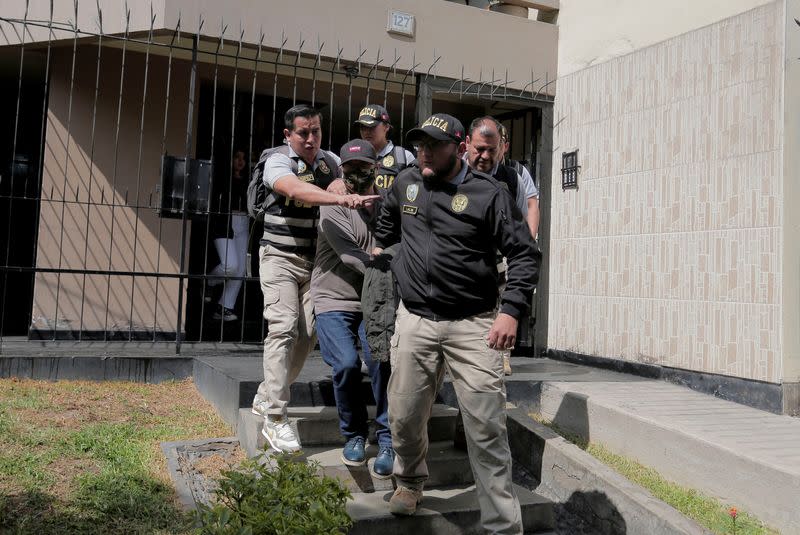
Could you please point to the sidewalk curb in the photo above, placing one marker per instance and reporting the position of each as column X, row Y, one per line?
column 584, row 486
column 768, row 492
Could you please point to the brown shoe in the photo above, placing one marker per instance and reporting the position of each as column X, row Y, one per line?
column 404, row 501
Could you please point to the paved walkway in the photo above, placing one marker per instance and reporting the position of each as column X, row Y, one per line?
column 742, row 455
column 747, row 457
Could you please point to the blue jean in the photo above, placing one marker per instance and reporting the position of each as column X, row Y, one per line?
column 337, row 333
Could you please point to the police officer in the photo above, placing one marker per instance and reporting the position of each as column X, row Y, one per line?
column 295, row 174
column 485, row 154
column 452, row 220
column 375, row 126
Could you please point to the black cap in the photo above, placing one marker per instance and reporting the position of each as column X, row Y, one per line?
column 358, row 149
column 438, row 126
column 372, row 114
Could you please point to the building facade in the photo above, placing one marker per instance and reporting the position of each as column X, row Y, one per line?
column 679, row 250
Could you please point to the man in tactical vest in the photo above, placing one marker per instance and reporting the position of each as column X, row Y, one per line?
column 484, row 154
column 296, row 176
column 452, row 220
column 531, row 193
column 373, row 121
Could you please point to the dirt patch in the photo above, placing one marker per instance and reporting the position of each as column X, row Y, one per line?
column 211, row 466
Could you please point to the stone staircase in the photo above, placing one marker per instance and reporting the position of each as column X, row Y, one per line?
column 449, row 506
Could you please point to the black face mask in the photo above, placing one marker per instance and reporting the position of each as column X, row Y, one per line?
column 359, row 181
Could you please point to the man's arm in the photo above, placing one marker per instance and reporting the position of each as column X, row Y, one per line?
column 387, row 226
column 532, row 200
column 338, row 230
column 290, row 186
column 532, row 217
column 278, row 175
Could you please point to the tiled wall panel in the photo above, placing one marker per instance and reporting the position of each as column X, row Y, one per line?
column 670, row 250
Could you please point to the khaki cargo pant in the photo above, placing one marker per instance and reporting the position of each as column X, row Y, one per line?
column 289, row 311
column 421, row 350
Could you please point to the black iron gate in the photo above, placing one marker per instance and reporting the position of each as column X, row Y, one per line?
column 114, row 147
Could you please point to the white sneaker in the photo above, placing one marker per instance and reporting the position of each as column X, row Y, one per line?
column 280, row 435
column 260, row 407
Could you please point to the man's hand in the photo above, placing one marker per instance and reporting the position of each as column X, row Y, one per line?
column 503, row 333
column 376, row 251
column 354, row 201
column 337, row 187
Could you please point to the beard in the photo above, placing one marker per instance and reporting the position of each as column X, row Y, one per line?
column 442, row 171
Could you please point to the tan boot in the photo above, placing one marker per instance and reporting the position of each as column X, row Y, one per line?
column 404, row 501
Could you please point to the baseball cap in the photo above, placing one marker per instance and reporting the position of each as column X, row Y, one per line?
column 438, row 126
column 358, row 149
column 373, row 114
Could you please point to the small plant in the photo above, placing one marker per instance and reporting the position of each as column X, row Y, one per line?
column 733, row 512
column 281, row 495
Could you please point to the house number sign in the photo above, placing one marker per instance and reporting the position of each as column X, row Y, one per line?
column 402, row 23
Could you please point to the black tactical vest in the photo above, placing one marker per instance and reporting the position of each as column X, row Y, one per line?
column 388, row 168
column 508, row 176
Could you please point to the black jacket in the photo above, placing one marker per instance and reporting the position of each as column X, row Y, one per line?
column 379, row 304
column 446, row 268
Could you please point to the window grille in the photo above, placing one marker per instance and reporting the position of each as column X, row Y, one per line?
column 569, row 170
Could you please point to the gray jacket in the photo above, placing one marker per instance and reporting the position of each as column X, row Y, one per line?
column 379, row 301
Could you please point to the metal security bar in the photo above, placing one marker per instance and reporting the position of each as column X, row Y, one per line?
column 117, row 175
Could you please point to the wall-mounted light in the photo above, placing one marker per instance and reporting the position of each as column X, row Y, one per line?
column 191, row 197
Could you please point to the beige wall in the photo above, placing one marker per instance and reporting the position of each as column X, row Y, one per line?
column 671, row 250
column 67, row 161
column 463, row 36
column 592, row 31
column 791, row 194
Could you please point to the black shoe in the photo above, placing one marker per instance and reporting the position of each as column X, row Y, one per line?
column 225, row 314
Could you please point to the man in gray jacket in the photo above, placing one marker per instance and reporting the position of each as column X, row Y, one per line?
column 343, row 240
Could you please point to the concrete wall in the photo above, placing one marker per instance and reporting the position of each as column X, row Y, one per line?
column 455, row 32
column 112, row 185
column 592, row 32
column 791, row 193
column 671, row 250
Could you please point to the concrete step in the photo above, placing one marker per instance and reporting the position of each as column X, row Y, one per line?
column 230, row 383
column 319, row 426
column 447, row 467
column 444, row 511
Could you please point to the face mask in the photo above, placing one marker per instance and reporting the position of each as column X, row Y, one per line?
column 359, row 181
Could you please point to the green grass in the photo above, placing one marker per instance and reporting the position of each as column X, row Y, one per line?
column 706, row 511
column 78, row 457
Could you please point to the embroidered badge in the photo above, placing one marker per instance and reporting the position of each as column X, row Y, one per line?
column 324, row 167
column 388, row 160
column 459, row 203
column 411, row 192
